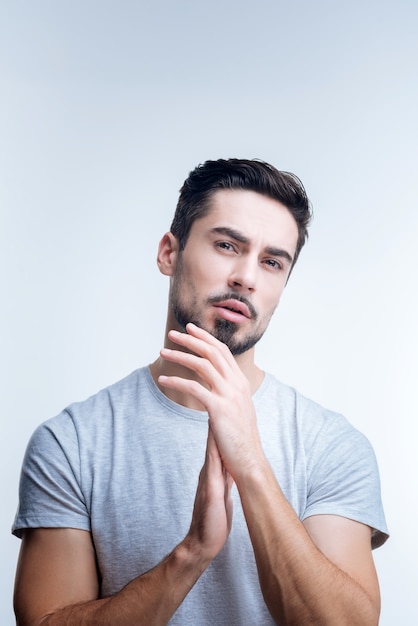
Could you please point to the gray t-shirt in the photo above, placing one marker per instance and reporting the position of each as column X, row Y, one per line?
column 124, row 464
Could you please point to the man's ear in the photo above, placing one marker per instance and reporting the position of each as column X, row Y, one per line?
column 168, row 250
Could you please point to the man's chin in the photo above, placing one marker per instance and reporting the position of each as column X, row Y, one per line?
column 225, row 331
column 228, row 333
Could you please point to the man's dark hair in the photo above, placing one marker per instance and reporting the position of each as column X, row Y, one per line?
column 252, row 175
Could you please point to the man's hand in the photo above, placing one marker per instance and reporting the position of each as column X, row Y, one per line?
column 212, row 513
column 223, row 390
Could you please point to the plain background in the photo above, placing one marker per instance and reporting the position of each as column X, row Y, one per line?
column 106, row 106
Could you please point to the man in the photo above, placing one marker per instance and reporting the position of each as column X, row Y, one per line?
column 117, row 528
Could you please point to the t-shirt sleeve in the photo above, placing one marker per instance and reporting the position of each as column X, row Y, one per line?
column 50, row 491
column 344, row 478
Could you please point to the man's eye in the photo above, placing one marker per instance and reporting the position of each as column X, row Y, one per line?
column 225, row 245
column 273, row 264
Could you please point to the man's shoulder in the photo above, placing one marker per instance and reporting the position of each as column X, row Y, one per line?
column 293, row 397
column 100, row 407
column 122, row 390
column 301, row 409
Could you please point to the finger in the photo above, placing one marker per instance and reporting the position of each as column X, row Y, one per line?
column 229, row 503
column 186, row 386
column 213, row 467
column 217, row 353
column 210, row 340
column 200, row 365
column 205, row 345
column 212, row 451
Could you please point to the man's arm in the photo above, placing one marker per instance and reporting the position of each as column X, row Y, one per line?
column 57, row 580
column 320, row 572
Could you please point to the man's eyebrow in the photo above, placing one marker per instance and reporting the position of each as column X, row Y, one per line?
column 231, row 232
column 238, row 236
column 280, row 253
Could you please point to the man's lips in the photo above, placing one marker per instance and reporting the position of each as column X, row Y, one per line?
column 234, row 306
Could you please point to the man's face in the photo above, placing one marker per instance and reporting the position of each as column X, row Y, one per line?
column 233, row 269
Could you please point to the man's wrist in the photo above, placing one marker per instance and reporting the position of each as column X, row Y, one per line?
column 190, row 557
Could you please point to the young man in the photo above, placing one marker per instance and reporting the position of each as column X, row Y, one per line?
column 116, row 526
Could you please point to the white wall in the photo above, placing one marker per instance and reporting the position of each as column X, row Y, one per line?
column 105, row 108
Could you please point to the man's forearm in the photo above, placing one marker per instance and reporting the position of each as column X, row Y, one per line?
column 63, row 593
column 300, row 585
column 149, row 600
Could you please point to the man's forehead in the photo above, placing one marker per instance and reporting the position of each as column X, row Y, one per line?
column 243, row 200
column 239, row 208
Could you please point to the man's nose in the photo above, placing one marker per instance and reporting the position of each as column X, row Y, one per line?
column 243, row 274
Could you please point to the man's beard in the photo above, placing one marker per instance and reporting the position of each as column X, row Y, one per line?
column 224, row 330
